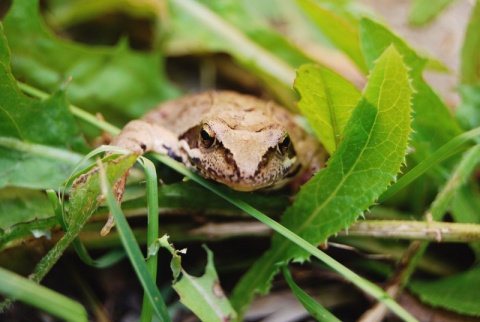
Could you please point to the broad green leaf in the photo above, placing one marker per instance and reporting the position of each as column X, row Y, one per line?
column 459, row 293
column 36, row 137
column 470, row 56
column 433, row 124
column 366, row 162
column 327, row 100
column 29, row 165
column 108, row 79
column 423, row 11
column 203, row 295
column 342, row 32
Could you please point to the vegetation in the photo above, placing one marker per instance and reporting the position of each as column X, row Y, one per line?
column 400, row 190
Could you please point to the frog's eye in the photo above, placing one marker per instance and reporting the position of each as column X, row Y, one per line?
column 207, row 136
column 284, row 146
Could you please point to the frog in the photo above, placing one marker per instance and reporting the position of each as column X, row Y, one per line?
column 239, row 140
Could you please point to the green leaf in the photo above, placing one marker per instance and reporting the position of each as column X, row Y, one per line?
column 22, row 205
column 458, row 293
column 315, row 309
column 22, row 289
column 340, row 30
column 235, row 15
column 433, row 124
column 465, row 205
column 225, row 26
column 68, row 14
column 35, row 136
column 86, row 189
column 453, row 147
column 470, row 56
column 23, row 211
column 365, row 163
column 468, row 113
column 85, row 200
column 327, row 100
column 117, row 79
column 461, row 174
column 176, row 263
column 204, row 295
column 464, row 209
column 423, row 11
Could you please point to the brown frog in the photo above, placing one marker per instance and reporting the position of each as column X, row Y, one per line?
column 239, row 140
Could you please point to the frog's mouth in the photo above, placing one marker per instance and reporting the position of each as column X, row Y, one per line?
column 272, row 173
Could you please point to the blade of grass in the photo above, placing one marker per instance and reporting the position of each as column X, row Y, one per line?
column 152, row 232
column 133, row 251
column 452, row 147
column 19, row 288
column 314, row 308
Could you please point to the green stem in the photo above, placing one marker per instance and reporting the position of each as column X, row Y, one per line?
column 415, row 230
column 152, row 234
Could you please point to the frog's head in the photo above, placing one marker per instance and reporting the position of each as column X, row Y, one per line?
column 245, row 154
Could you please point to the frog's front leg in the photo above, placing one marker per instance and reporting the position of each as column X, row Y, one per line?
column 140, row 137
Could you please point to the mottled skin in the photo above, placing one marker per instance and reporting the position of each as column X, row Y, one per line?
column 239, row 140
column 251, row 143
